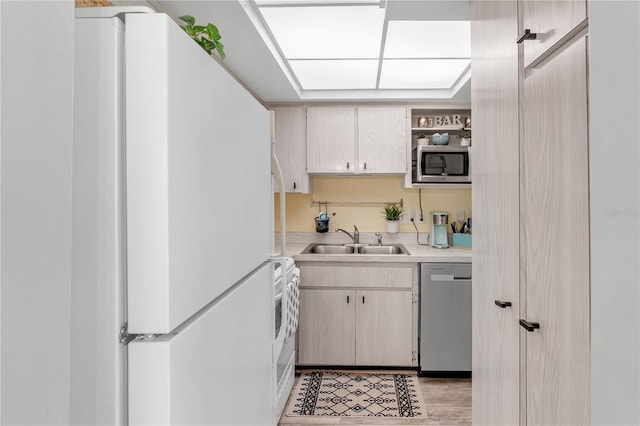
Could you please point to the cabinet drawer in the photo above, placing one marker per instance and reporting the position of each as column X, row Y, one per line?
column 356, row 276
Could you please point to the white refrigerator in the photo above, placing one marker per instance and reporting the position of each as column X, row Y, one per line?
column 172, row 278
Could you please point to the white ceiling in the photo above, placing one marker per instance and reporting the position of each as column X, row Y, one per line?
column 250, row 58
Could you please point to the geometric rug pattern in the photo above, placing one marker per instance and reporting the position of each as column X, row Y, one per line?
column 349, row 394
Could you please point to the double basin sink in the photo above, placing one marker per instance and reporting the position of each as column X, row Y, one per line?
column 355, row 249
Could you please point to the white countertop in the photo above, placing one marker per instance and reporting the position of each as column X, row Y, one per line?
column 297, row 242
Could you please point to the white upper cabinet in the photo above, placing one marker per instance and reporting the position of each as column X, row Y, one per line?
column 550, row 21
column 382, row 140
column 363, row 140
column 290, row 137
column 331, row 140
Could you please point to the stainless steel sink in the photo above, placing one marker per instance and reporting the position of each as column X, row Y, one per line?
column 328, row 249
column 350, row 249
column 390, row 249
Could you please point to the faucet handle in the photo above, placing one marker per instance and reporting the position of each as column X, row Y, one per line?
column 379, row 235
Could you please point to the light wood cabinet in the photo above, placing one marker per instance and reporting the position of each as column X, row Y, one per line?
column 327, row 321
column 555, row 185
column 290, row 134
column 383, row 327
column 362, row 140
column 348, row 317
column 530, row 171
column 382, row 140
column 331, row 140
column 496, row 214
column 550, row 20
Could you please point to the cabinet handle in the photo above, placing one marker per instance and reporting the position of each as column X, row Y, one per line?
column 362, row 299
column 294, row 185
column 502, row 304
column 528, row 35
column 365, row 166
column 347, row 299
column 529, row 326
column 347, row 165
column 462, row 278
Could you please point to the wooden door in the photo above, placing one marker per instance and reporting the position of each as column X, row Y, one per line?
column 384, row 327
column 551, row 20
column 382, row 140
column 326, row 333
column 495, row 177
column 290, row 147
column 331, row 140
column 555, row 246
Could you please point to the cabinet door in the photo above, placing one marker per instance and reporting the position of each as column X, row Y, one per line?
column 290, row 147
column 383, row 327
column 331, row 140
column 496, row 213
column 326, row 333
column 554, row 212
column 550, row 20
column 382, row 140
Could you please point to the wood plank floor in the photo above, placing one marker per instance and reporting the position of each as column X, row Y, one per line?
column 448, row 402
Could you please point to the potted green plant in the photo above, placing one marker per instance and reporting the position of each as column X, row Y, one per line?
column 392, row 215
column 423, row 139
column 208, row 37
column 465, row 136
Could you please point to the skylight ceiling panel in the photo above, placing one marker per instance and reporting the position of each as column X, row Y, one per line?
column 315, row 2
column 428, row 39
column 330, row 32
column 335, row 74
column 421, row 73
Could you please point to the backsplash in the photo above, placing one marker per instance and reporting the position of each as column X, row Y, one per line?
column 369, row 218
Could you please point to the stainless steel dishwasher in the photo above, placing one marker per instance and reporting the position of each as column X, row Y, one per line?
column 445, row 319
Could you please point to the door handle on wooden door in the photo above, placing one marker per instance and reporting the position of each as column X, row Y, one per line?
column 529, row 326
column 502, row 304
column 527, row 35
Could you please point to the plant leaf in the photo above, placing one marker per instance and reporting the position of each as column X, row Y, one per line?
column 214, row 34
column 208, row 45
column 220, row 50
column 188, row 19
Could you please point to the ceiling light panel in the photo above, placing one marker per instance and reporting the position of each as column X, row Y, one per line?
column 314, row 2
column 428, row 39
column 326, row 32
column 336, row 74
column 421, row 73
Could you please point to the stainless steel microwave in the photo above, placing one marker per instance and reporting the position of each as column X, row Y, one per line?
column 441, row 164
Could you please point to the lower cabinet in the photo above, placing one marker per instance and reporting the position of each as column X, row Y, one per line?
column 327, row 325
column 358, row 324
column 383, row 327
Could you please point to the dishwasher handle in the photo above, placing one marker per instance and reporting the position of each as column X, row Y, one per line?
column 449, row 277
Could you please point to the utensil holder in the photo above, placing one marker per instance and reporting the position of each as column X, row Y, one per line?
column 461, row 240
column 322, row 225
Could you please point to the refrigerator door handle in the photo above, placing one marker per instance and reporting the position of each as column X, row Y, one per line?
column 276, row 171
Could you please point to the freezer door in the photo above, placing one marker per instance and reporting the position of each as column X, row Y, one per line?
column 217, row 371
column 198, row 177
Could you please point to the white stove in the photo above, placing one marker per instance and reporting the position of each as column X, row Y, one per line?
column 286, row 299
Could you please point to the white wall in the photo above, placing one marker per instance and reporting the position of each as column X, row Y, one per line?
column 35, row 217
column 615, row 211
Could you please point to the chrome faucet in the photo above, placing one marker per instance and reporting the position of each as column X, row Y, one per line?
column 379, row 235
column 356, row 234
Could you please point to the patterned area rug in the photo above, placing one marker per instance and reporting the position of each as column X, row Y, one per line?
column 333, row 393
